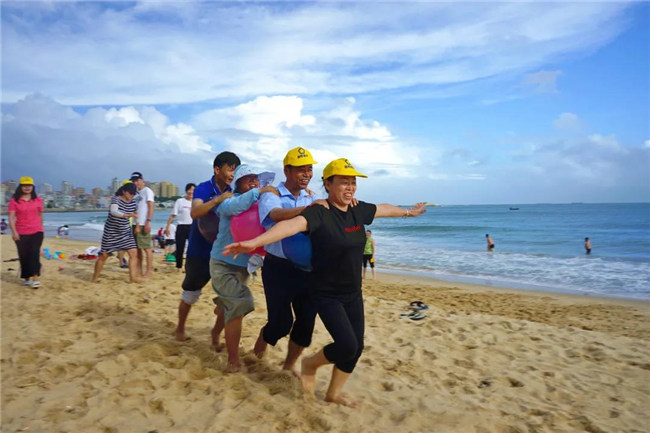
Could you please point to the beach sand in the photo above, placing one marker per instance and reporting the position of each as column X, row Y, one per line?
column 83, row 357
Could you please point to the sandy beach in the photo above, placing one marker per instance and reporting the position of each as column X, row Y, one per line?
column 83, row 357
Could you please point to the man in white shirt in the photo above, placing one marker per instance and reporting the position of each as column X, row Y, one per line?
column 145, row 206
column 182, row 213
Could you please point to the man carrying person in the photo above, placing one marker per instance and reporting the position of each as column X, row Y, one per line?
column 145, row 206
column 207, row 195
column 285, row 285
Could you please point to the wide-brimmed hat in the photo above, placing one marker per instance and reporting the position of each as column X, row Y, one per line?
column 341, row 167
column 298, row 156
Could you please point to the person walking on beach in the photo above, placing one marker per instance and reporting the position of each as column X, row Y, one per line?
column 26, row 223
column 230, row 275
column 587, row 246
column 338, row 238
column 145, row 207
column 118, row 235
column 285, row 285
column 206, row 196
column 490, row 242
column 369, row 254
column 182, row 211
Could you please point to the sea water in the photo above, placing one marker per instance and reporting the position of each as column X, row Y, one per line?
column 538, row 246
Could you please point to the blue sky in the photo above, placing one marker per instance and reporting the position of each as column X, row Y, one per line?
column 451, row 103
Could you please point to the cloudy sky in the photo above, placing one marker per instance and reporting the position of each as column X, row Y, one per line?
column 452, row 103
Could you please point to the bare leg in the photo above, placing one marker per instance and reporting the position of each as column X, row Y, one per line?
column 293, row 352
column 149, row 257
column 363, row 272
column 216, row 330
column 373, row 273
column 260, row 345
column 233, row 335
column 99, row 264
column 333, row 394
column 133, row 272
column 183, row 311
column 138, row 265
column 309, row 366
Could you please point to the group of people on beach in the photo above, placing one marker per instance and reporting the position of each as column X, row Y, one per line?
column 294, row 295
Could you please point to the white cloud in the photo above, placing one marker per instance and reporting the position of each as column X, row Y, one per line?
column 568, row 121
column 173, row 53
column 262, row 130
column 54, row 142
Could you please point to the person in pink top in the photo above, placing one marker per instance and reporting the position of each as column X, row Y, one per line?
column 26, row 223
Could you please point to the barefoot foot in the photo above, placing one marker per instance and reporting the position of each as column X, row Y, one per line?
column 260, row 346
column 341, row 399
column 180, row 336
column 308, row 375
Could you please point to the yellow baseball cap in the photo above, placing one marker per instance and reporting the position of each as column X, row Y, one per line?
column 298, row 156
column 124, row 182
column 26, row 180
column 341, row 167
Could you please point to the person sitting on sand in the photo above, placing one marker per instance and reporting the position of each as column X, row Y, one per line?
column 229, row 274
column 118, row 235
column 206, row 196
column 63, row 231
column 337, row 233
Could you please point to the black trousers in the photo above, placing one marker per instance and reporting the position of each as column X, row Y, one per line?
column 343, row 316
column 182, row 234
column 29, row 253
column 285, row 288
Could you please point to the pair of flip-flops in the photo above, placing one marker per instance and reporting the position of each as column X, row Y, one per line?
column 414, row 315
column 418, row 305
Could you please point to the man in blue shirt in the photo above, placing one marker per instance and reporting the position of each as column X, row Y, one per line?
column 285, row 285
column 207, row 195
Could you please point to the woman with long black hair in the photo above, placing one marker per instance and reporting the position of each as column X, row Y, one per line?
column 26, row 222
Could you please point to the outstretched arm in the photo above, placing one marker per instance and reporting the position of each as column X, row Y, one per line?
column 281, row 230
column 388, row 210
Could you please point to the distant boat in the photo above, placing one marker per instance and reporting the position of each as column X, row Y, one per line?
column 514, row 208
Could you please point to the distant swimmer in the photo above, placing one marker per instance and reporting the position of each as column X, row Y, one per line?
column 490, row 242
column 587, row 245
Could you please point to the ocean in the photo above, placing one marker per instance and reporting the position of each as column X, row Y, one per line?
column 538, row 247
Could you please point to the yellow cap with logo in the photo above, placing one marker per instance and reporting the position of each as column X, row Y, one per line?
column 298, row 156
column 124, row 182
column 26, row 180
column 341, row 167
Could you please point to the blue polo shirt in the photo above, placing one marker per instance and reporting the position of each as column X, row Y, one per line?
column 270, row 201
column 198, row 246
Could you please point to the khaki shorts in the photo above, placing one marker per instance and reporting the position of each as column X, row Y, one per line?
column 143, row 240
column 230, row 284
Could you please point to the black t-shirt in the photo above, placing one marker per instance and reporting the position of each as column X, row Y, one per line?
column 337, row 242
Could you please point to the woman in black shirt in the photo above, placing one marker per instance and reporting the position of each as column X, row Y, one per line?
column 337, row 234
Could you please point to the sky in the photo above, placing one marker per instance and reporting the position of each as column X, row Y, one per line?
column 449, row 103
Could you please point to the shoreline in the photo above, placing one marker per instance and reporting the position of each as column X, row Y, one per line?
column 452, row 279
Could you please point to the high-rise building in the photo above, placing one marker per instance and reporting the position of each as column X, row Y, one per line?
column 78, row 191
column 45, row 188
column 66, row 187
column 168, row 189
column 115, row 185
column 97, row 192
